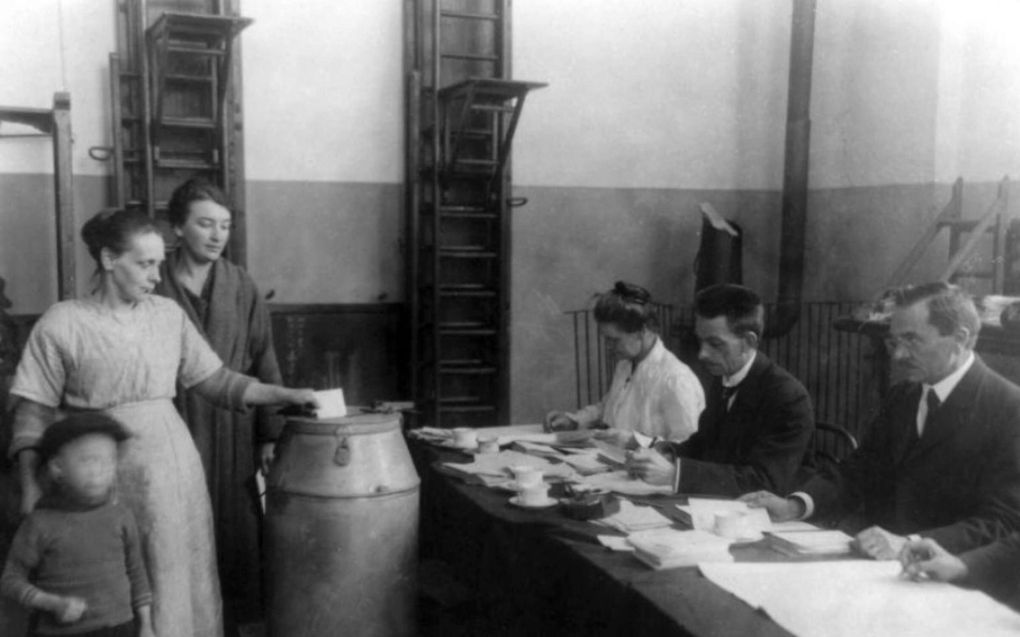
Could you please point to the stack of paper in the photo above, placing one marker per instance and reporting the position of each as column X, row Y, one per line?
column 631, row 518
column 810, row 542
column 670, row 548
column 536, row 449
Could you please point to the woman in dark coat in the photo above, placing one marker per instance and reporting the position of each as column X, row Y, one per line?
column 222, row 301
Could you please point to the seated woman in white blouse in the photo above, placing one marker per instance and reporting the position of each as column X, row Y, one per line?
column 653, row 394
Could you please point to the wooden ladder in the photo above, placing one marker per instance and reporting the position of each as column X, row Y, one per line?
column 462, row 113
column 174, row 116
column 966, row 238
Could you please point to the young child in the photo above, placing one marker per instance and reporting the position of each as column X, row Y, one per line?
column 77, row 556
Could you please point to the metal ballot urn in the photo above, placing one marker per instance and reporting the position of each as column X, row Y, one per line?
column 342, row 529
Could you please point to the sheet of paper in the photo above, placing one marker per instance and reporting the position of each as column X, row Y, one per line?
column 612, row 453
column 331, row 404
column 631, row 518
column 498, row 465
column 616, row 543
column 817, row 542
column 536, row 449
column 620, row 482
column 586, row 463
column 793, row 525
column 861, row 597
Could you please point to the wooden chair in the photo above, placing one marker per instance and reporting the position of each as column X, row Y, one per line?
column 832, row 443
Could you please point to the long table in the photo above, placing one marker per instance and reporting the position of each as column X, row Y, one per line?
column 537, row 572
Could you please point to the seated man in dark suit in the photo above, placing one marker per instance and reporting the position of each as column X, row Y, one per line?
column 758, row 421
column 942, row 458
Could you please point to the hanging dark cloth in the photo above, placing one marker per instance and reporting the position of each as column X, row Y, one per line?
column 235, row 321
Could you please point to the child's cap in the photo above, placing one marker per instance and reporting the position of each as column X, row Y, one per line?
column 75, row 426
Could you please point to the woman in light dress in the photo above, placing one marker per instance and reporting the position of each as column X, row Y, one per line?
column 122, row 351
column 653, row 395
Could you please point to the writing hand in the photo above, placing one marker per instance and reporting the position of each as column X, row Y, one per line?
column 779, row 509
column 926, row 559
column 651, row 466
column 879, row 544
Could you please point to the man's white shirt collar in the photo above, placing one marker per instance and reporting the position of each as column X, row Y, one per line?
column 736, row 379
column 946, row 386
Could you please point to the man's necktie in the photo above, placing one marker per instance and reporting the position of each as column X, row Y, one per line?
column 933, row 403
column 727, row 394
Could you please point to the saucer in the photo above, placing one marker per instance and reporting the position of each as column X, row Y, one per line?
column 517, row 502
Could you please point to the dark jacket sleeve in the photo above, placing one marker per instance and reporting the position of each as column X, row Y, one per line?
column 265, row 367
column 996, row 503
column 839, row 490
column 995, row 568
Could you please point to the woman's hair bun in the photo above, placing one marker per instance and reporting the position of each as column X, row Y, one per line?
column 632, row 293
column 96, row 230
column 113, row 228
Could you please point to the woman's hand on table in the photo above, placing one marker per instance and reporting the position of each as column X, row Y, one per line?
column 559, row 421
column 780, row 509
column 926, row 559
column 651, row 466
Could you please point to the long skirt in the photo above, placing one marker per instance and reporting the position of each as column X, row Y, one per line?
column 160, row 478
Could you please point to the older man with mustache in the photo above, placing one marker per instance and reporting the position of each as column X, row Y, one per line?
column 942, row 460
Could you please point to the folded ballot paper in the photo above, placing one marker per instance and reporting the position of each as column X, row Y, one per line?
column 331, row 404
column 670, row 548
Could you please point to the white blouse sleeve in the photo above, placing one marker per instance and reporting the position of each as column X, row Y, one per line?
column 682, row 401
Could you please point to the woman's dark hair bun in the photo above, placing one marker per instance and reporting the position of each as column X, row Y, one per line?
column 632, row 293
column 95, row 231
column 113, row 228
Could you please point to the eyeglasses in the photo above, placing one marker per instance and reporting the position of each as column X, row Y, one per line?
column 911, row 343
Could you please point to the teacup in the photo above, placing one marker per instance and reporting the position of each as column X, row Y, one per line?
column 732, row 524
column 465, row 437
column 527, row 477
column 534, row 495
column 488, row 444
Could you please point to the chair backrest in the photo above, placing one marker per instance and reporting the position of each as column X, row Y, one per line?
column 832, row 443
